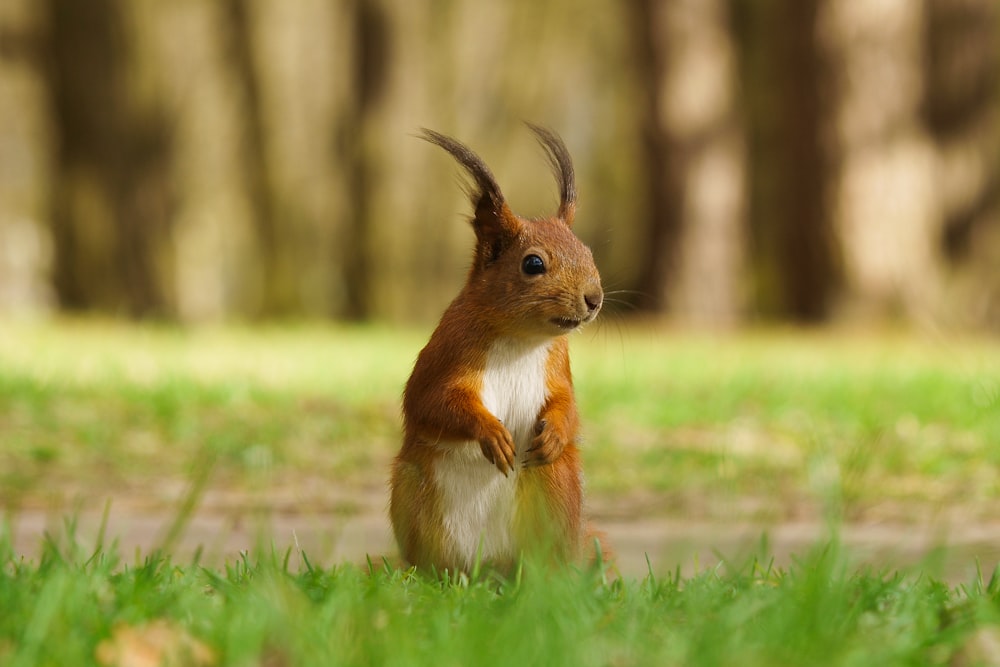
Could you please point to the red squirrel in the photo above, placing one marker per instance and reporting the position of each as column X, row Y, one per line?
column 489, row 468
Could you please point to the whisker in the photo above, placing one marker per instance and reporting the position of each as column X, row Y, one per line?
column 625, row 291
column 621, row 302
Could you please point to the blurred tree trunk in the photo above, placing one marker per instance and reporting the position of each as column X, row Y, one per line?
column 370, row 58
column 111, row 197
column 664, row 158
column 24, row 161
column 962, row 74
column 960, row 107
column 793, row 251
column 693, row 159
column 256, row 174
column 888, row 187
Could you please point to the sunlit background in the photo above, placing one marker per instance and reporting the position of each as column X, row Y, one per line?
column 738, row 161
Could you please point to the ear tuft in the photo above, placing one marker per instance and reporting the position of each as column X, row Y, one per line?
column 487, row 191
column 562, row 168
column 494, row 223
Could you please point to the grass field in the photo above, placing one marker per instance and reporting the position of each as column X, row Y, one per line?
column 279, row 609
column 834, row 426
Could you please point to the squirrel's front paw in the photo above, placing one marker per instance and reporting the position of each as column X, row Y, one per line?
column 547, row 446
column 497, row 445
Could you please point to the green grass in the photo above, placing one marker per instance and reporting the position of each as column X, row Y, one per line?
column 872, row 420
column 877, row 425
column 93, row 408
column 769, row 424
column 280, row 609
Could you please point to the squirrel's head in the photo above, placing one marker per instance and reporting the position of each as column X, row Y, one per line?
column 535, row 277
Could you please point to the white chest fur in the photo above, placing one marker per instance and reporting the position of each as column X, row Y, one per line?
column 514, row 387
column 477, row 501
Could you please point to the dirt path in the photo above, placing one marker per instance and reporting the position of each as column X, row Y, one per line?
column 950, row 549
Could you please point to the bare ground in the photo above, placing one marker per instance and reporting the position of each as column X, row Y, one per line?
column 224, row 524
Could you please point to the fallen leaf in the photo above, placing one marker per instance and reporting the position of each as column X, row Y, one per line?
column 159, row 643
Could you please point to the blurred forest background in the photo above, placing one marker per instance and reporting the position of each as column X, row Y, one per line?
column 738, row 160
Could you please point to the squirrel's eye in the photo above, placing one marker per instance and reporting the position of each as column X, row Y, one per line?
column 533, row 265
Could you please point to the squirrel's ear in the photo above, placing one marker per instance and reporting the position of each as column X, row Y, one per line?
column 562, row 168
column 495, row 224
column 495, row 231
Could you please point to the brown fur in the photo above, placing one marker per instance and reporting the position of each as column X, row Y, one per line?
column 442, row 403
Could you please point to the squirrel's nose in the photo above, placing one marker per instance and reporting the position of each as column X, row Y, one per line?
column 593, row 299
